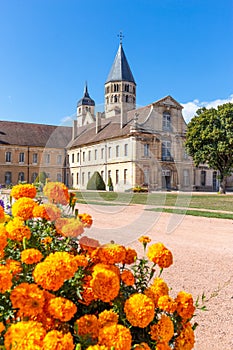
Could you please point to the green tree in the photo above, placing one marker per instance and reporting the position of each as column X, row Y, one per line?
column 209, row 140
column 96, row 182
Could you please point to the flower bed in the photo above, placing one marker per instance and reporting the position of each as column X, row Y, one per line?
column 62, row 290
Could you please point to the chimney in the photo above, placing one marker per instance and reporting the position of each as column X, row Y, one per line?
column 75, row 129
column 98, row 122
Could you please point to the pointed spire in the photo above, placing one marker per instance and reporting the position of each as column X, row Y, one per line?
column 86, row 100
column 120, row 70
column 86, row 94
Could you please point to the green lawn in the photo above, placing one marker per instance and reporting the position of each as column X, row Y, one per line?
column 206, row 201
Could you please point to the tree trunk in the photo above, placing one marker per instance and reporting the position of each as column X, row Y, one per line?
column 222, row 188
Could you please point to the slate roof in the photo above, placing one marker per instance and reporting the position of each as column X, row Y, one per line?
column 120, row 70
column 86, row 100
column 37, row 135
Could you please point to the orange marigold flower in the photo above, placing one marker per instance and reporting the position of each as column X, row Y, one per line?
column 98, row 347
column 23, row 208
column 156, row 289
column 87, row 295
column 54, row 270
column 26, row 190
column 163, row 331
column 142, row 346
column 72, row 228
column 14, row 266
column 5, row 279
column 56, row 192
column 46, row 240
column 105, row 282
column 47, row 211
column 144, row 239
column 86, row 219
column 56, row 340
column 81, row 260
column 162, row 346
column 185, row 340
column 2, row 327
column 130, row 256
column 185, row 307
column 88, row 326
column 17, row 230
column 111, row 253
column 88, row 244
column 127, row 277
column 3, row 236
column 31, row 256
column 25, row 335
column 62, row 308
column 160, row 255
column 167, row 303
column 107, row 318
column 139, row 310
column 28, row 298
column 2, row 214
column 116, row 336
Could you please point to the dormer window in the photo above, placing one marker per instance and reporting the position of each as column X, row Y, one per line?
column 166, row 121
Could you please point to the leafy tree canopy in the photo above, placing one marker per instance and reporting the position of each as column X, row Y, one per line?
column 209, row 139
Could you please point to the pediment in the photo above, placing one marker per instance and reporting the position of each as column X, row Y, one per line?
column 88, row 119
column 168, row 101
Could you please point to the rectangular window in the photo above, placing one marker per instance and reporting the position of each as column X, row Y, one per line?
column 35, row 158
column 117, row 151
column 102, row 153
column 8, row 157
column 109, row 173
column 166, row 121
column 72, row 157
column 166, row 150
column 83, row 156
column 72, row 179
column 95, row 154
column 34, row 176
column 109, row 152
column 102, row 174
column 77, row 178
column 59, row 177
column 78, row 157
column 146, row 149
column 47, row 158
column 83, row 178
column 21, row 157
column 21, row 177
column 88, row 175
column 203, row 178
column 89, row 155
column 186, row 177
column 125, row 176
column 117, row 176
column 8, row 178
column 126, row 150
column 59, row 159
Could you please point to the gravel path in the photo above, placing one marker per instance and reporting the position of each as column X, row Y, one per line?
column 203, row 258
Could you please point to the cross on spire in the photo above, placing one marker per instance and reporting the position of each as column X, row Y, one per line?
column 121, row 36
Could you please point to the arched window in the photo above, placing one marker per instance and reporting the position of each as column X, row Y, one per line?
column 116, row 87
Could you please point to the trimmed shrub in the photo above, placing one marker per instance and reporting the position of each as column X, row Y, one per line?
column 96, row 182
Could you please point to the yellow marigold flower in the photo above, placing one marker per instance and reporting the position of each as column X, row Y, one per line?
column 88, row 326
column 17, row 230
column 86, row 219
column 111, row 253
column 54, row 270
column 23, row 208
column 139, row 310
column 56, row 192
column 105, row 283
column 5, row 218
column 62, row 308
column 130, row 256
column 25, row 335
column 166, row 303
column 72, row 228
column 185, row 307
column 144, row 239
column 26, row 190
column 2, row 214
column 31, row 256
column 47, row 211
column 160, row 255
column 157, row 289
column 88, row 244
column 28, row 298
column 5, row 279
column 142, row 346
column 14, row 266
column 163, row 331
column 2, row 327
column 116, row 336
column 185, row 340
column 162, row 346
column 3, row 237
column 107, row 318
column 56, row 340
column 127, row 277
column 98, row 347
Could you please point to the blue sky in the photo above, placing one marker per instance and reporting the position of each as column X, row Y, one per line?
column 49, row 48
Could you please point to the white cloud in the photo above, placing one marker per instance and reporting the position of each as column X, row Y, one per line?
column 190, row 108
